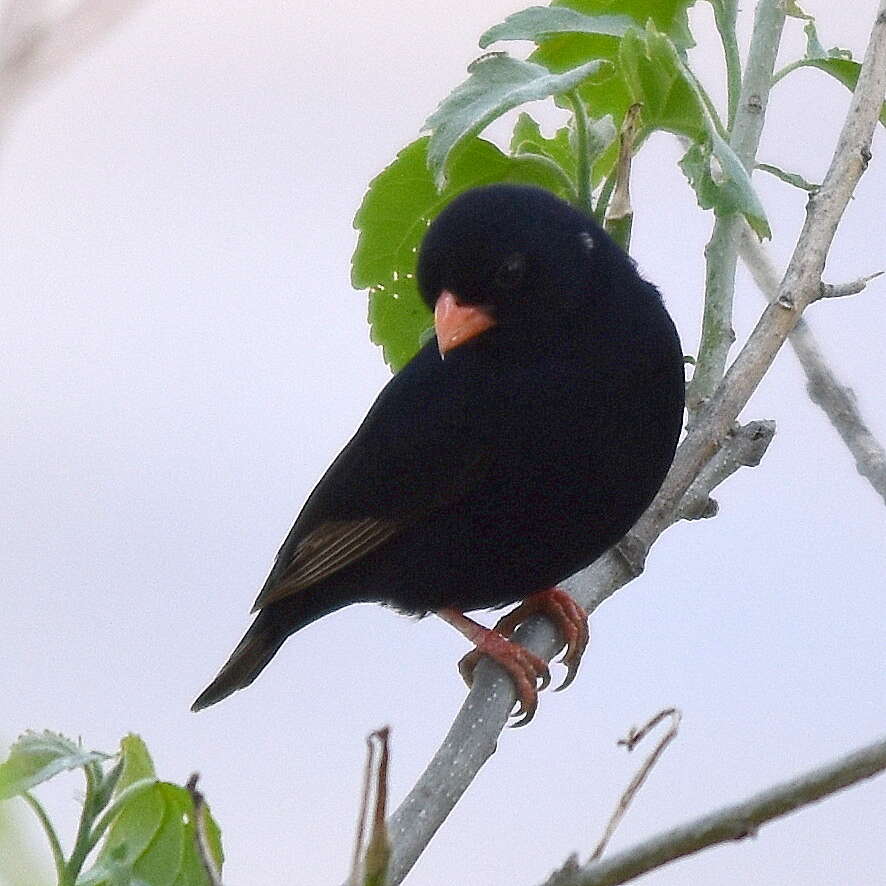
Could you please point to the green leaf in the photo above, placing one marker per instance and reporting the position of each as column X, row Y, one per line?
column 152, row 842
column 669, row 16
column 565, row 50
column 37, row 757
column 497, row 83
column 658, row 79
column 400, row 203
column 541, row 22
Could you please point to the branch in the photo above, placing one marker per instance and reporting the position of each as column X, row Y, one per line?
column 721, row 252
column 747, row 447
column 472, row 738
column 839, row 290
column 35, row 48
column 730, row 823
column 835, row 399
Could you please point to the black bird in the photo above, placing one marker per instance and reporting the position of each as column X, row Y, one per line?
column 513, row 450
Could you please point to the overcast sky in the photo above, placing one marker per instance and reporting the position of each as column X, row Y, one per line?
column 181, row 355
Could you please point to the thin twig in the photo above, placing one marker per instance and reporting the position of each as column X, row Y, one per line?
column 747, row 446
column 839, row 290
column 378, row 850
column 836, row 400
column 360, row 840
column 634, row 737
column 730, row 823
column 371, row 856
column 201, row 834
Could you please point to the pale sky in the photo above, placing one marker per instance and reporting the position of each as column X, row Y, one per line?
column 181, row 357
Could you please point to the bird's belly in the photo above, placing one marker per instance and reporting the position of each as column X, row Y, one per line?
column 521, row 532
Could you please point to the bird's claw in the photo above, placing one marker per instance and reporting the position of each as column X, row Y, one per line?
column 529, row 673
column 573, row 623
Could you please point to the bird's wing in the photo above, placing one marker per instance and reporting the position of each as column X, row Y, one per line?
column 423, row 444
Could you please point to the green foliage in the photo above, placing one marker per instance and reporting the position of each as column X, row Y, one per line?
column 38, row 756
column 401, row 202
column 496, row 84
column 146, row 827
column 542, row 22
column 596, row 58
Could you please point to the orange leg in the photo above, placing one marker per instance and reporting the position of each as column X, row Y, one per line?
column 524, row 668
column 566, row 614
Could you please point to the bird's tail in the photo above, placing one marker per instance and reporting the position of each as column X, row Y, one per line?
column 265, row 636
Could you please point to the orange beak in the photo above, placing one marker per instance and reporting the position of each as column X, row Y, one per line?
column 456, row 324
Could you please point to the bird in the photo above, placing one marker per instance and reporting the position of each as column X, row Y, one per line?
column 520, row 442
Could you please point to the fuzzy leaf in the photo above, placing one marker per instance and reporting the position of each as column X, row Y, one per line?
column 400, row 203
column 497, row 83
column 542, row 22
column 37, row 757
column 669, row 16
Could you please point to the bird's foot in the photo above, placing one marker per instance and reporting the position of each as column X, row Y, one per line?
column 529, row 673
column 567, row 615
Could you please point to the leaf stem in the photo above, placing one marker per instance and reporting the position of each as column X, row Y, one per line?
column 725, row 14
column 783, row 72
column 58, row 857
column 82, row 845
column 583, row 164
column 605, row 195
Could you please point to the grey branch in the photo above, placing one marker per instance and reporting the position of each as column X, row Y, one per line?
column 472, row 737
column 34, row 44
column 721, row 252
column 839, row 290
column 728, row 824
column 835, row 399
column 746, row 448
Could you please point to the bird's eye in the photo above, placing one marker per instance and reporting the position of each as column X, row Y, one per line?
column 510, row 273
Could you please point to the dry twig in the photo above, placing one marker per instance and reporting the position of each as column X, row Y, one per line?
column 635, row 736
column 201, row 835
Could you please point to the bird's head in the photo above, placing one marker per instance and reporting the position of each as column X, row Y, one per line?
column 507, row 254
